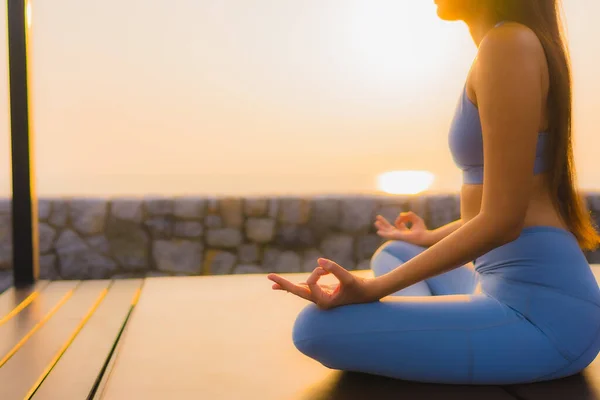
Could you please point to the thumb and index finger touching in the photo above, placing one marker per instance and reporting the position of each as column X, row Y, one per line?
column 342, row 274
column 407, row 217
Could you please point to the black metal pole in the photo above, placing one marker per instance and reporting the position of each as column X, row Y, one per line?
column 24, row 201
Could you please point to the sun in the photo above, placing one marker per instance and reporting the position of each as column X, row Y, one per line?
column 405, row 182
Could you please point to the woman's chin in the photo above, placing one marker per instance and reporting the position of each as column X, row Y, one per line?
column 446, row 12
column 446, row 16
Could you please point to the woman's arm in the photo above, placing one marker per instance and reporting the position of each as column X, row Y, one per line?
column 445, row 230
column 508, row 84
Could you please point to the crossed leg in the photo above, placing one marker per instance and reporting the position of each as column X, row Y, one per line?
column 393, row 254
column 436, row 331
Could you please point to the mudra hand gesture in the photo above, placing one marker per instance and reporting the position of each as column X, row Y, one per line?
column 417, row 234
column 351, row 289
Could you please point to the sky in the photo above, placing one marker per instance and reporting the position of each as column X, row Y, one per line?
column 277, row 97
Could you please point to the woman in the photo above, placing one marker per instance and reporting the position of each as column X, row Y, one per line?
column 528, row 308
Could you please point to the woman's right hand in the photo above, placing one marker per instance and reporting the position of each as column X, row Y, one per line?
column 417, row 234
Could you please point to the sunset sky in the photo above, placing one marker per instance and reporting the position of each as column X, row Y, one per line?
column 258, row 97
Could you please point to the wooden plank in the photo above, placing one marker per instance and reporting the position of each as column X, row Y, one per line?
column 111, row 363
column 16, row 331
column 14, row 300
column 21, row 375
column 584, row 386
column 75, row 374
column 229, row 337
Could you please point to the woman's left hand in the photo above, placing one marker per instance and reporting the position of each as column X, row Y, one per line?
column 350, row 290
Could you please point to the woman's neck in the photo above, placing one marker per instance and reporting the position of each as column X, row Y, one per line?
column 480, row 25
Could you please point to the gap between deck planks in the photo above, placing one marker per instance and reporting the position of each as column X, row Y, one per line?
column 87, row 355
column 59, row 330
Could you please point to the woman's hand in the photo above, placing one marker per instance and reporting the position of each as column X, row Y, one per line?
column 417, row 234
column 350, row 290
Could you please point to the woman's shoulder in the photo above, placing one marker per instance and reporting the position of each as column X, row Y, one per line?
column 508, row 49
column 510, row 42
column 507, row 55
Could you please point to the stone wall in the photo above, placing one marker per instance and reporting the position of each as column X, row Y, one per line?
column 119, row 238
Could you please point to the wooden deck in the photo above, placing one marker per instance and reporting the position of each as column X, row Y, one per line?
column 221, row 337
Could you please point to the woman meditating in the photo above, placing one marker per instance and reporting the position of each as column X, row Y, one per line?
column 504, row 295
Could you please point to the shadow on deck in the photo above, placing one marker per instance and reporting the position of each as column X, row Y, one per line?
column 222, row 337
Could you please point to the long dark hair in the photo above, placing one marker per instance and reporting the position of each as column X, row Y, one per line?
column 544, row 18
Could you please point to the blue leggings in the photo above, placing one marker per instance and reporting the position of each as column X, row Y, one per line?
column 528, row 311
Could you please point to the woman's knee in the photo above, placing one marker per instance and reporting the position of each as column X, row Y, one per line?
column 390, row 254
column 399, row 249
column 310, row 330
column 329, row 337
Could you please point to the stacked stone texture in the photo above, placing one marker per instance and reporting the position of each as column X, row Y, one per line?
column 121, row 238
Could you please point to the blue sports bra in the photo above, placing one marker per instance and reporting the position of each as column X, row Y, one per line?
column 466, row 142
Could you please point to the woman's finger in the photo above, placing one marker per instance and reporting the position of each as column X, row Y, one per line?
column 400, row 222
column 316, row 291
column 396, row 234
column 315, row 275
column 380, row 217
column 383, row 227
column 344, row 276
column 408, row 217
column 386, row 234
column 383, row 221
column 290, row 287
